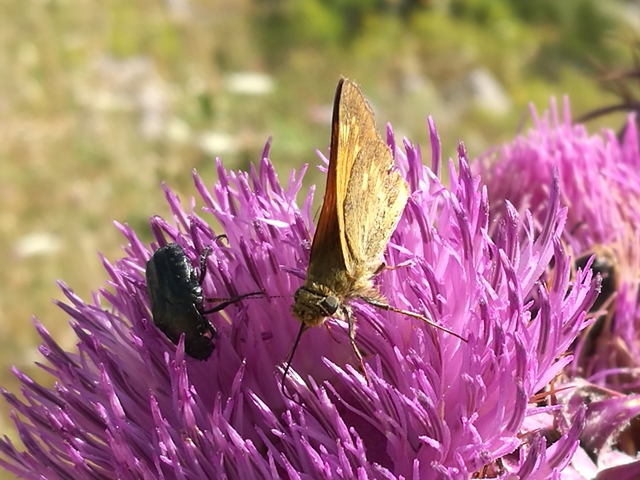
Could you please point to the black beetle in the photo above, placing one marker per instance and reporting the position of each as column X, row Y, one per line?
column 605, row 265
column 175, row 294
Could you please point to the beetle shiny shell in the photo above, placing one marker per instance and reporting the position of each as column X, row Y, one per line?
column 175, row 294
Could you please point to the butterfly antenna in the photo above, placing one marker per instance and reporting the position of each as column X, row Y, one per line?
column 225, row 302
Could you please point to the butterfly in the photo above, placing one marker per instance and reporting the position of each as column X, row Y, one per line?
column 364, row 199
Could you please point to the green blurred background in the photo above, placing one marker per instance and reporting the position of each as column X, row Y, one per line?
column 101, row 101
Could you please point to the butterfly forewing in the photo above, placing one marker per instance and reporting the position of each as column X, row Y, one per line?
column 356, row 129
column 352, row 127
column 328, row 238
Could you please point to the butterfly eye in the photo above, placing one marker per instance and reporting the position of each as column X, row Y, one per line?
column 330, row 305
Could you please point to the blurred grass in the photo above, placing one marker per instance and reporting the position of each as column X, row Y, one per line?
column 100, row 102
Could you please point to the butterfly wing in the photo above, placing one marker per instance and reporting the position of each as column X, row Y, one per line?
column 374, row 202
column 352, row 127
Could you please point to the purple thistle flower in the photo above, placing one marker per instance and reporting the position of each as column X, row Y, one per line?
column 130, row 404
column 598, row 177
column 600, row 185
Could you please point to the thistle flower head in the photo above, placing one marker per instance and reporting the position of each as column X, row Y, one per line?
column 129, row 402
column 600, row 184
column 598, row 177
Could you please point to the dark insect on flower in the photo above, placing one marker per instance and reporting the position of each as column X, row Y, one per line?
column 604, row 263
column 177, row 302
column 434, row 407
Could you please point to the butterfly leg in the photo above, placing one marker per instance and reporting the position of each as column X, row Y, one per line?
column 346, row 311
column 328, row 327
column 385, row 306
column 383, row 266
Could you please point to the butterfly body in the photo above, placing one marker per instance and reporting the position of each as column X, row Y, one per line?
column 364, row 200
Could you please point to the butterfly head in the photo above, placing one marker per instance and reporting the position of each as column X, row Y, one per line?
column 312, row 304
